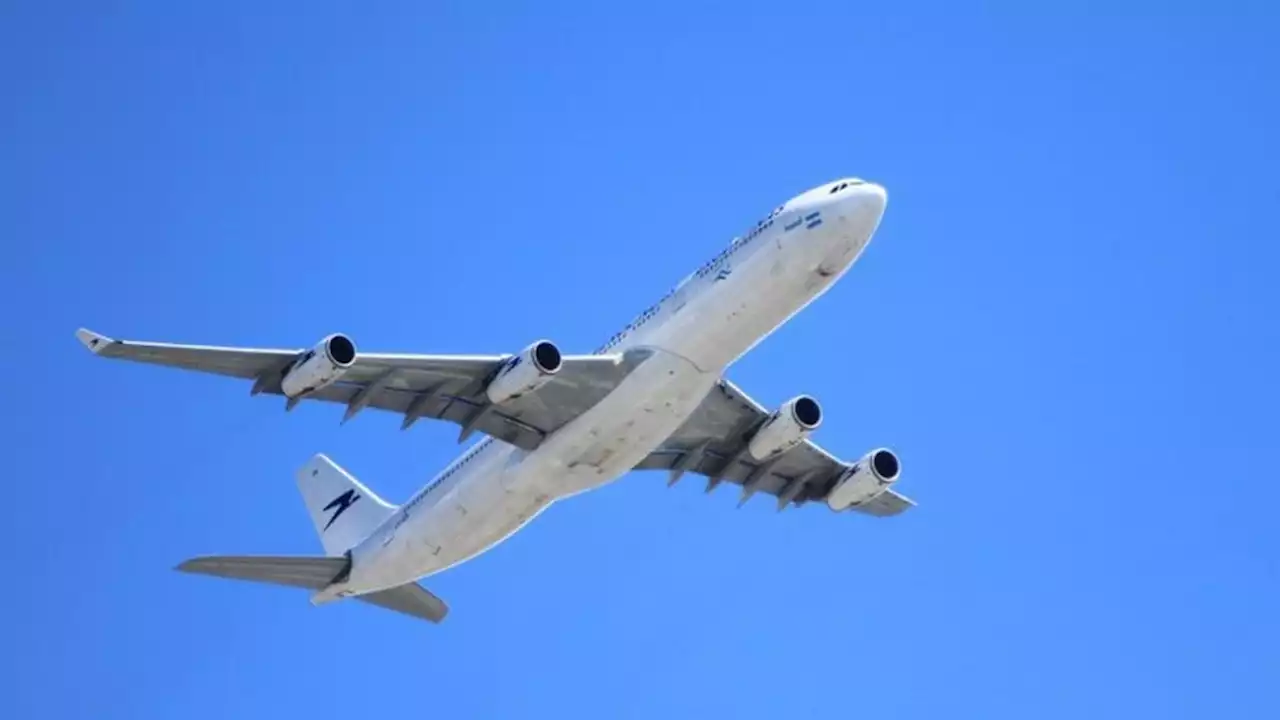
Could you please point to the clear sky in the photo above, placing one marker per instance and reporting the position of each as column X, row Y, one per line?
column 1066, row 325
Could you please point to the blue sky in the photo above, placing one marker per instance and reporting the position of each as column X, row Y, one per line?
column 1066, row 325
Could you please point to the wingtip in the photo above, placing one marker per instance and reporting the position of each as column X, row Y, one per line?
column 200, row 565
column 92, row 340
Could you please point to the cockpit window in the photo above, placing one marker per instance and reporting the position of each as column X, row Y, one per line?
column 843, row 185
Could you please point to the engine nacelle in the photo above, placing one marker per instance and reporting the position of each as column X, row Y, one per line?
column 786, row 428
column 320, row 366
column 525, row 372
column 864, row 480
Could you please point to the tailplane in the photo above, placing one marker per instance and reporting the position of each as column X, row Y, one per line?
column 344, row 511
column 317, row 573
column 309, row 573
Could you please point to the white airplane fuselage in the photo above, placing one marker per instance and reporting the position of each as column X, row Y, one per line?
column 693, row 334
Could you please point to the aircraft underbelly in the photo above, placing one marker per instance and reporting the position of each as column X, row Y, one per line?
column 591, row 451
column 620, row 431
column 690, row 351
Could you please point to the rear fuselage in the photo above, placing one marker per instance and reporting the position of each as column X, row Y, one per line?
column 697, row 330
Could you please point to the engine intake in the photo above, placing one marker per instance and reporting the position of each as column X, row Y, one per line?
column 885, row 465
column 546, row 356
column 865, row 479
column 807, row 412
column 786, row 428
column 320, row 366
column 524, row 373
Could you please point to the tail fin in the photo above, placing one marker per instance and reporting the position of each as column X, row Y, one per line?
column 316, row 573
column 343, row 510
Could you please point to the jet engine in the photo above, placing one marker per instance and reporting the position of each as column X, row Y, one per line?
column 864, row 480
column 320, row 366
column 523, row 373
column 786, row 428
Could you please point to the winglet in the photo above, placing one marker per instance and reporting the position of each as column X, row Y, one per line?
column 93, row 340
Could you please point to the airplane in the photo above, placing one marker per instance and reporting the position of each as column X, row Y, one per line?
column 653, row 397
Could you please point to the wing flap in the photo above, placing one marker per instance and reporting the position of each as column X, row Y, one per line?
column 505, row 423
column 886, row 504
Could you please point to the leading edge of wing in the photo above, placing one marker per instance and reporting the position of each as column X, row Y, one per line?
column 100, row 344
column 248, row 361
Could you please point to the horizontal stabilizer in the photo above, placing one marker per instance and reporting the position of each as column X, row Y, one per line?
column 411, row 599
column 311, row 573
column 316, row 573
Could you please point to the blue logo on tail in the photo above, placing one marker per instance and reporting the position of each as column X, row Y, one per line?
column 342, row 502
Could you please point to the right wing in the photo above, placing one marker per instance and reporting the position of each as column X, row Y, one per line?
column 443, row 387
column 713, row 442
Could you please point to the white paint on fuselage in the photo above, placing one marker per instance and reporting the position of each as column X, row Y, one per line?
column 712, row 318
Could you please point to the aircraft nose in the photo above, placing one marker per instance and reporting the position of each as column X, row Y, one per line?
column 852, row 204
column 864, row 204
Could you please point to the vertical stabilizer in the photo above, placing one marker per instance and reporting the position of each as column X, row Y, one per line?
column 344, row 511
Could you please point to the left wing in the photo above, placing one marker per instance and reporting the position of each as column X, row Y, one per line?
column 713, row 443
column 444, row 387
